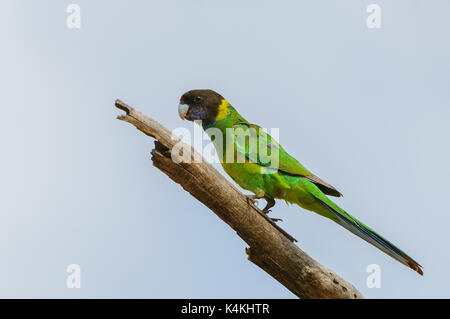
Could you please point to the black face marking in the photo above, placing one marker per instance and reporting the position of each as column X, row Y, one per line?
column 197, row 113
column 203, row 105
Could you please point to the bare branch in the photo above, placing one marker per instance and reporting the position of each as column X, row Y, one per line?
column 271, row 248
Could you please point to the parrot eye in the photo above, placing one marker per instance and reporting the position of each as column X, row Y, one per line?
column 197, row 99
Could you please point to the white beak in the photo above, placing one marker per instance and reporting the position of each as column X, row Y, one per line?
column 182, row 110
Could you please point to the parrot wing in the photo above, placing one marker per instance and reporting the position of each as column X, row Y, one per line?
column 259, row 139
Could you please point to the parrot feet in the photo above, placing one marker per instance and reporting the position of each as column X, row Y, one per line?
column 270, row 204
column 252, row 201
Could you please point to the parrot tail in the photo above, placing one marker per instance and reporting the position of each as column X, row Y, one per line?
column 356, row 227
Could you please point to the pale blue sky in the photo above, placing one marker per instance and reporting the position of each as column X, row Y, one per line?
column 367, row 110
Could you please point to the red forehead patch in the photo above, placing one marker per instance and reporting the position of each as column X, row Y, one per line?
column 182, row 98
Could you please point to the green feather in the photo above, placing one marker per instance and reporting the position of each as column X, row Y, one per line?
column 288, row 180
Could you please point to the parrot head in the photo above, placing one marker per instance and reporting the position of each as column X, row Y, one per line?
column 199, row 105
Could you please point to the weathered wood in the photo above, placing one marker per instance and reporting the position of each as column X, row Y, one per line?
column 271, row 248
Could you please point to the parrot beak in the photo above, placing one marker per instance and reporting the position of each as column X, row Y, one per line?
column 182, row 110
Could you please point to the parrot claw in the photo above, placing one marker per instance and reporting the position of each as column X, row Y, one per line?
column 270, row 204
column 252, row 200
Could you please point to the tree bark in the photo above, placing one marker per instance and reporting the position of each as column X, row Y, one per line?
column 270, row 247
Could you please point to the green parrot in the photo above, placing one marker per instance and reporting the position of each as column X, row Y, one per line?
column 288, row 179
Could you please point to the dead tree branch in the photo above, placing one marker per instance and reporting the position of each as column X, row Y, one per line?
column 271, row 248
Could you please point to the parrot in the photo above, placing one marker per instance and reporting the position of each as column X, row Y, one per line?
column 288, row 180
